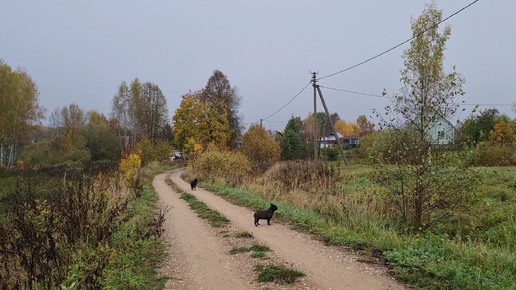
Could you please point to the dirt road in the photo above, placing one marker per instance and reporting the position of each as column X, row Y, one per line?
column 199, row 256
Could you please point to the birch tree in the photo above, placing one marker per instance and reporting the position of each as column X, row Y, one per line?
column 122, row 113
column 20, row 110
column 141, row 112
column 424, row 186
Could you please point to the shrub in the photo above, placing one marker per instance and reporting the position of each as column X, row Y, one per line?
column 261, row 148
column 149, row 151
column 330, row 154
column 311, row 176
column 53, row 218
column 228, row 167
column 496, row 155
column 130, row 168
column 373, row 145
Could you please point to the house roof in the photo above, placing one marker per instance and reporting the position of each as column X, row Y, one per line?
column 441, row 117
column 340, row 136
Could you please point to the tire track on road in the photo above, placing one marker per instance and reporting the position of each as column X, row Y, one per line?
column 199, row 259
column 326, row 267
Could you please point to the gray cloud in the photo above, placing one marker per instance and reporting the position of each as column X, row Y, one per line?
column 79, row 51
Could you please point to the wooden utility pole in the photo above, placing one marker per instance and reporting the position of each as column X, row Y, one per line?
column 331, row 123
column 314, row 82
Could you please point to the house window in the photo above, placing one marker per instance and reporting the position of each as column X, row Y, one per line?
column 440, row 134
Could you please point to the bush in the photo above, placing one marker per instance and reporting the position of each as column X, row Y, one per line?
column 227, row 167
column 43, row 155
column 496, row 155
column 50, row 220
column 149, row 151
column 309, row 176
column 373, row 145
column 261, row 148
column 330, row 154
column 130, row 169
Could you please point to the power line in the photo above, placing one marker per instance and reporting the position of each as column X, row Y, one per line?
column 398, row 45
column 275, row 122
column 353, row 92
column 251, row 123
column 277, row 111
column 487, row 105
column 380, row 96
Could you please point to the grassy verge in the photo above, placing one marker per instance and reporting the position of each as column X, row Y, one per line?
column 483, row 258
column 138, row 248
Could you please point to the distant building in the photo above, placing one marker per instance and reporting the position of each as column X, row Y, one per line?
column 330, row 141
column 442, row 131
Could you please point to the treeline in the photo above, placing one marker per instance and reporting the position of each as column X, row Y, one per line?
column 75, row 136
column 139, row 118
column 77, row 210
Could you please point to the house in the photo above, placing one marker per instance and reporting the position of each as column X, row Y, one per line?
column 442, row 131
column 330, row 142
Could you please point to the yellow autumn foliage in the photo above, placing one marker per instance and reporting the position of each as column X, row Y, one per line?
column 345, row 128
column 205, row 123
column 130, row 168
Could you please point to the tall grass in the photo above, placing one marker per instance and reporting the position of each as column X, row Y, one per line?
column 344, row 206
column 78, row 231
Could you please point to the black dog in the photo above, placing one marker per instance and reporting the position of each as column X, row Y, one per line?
column 265, row 215
column 193, row 184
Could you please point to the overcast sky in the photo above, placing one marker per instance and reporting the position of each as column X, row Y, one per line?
column 80, row 51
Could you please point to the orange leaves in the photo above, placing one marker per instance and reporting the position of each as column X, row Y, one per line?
column 502, row 134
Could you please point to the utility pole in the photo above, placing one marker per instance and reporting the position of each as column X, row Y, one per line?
column 331, row 123
column 314, row 82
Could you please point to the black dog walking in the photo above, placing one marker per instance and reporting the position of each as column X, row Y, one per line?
column 193, row 184
column 265, row 215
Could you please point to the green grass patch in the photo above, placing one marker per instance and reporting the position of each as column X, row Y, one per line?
column 203, row 211
column 277, row 273
column 259, row 248
column 258, row 255
column 254, row 248
column 244, row 234
column 173, row 185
